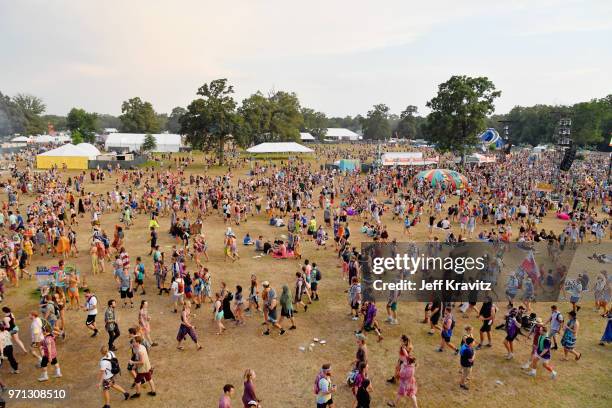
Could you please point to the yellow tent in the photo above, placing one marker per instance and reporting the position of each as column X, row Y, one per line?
column 68, row 156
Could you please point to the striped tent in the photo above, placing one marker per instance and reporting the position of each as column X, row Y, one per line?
column 443, row 177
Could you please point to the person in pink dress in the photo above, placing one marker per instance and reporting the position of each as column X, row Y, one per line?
column 407, row 382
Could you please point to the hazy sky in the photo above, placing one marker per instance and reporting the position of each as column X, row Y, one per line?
column 340, row 57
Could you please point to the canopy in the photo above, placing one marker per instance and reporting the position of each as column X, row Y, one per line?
column 91, row 150
column 279, row 147
column 443, row 177
column 20, row 139
column 407, row 159
column 305, row 136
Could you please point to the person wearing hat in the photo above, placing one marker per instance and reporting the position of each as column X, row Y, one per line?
column 535, row 331
column 324, row 388
column 542, row 353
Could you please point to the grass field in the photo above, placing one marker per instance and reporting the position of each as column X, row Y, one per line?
column 284, row 373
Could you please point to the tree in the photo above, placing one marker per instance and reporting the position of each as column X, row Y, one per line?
column 12, row 119
column 108, row 121
column 149, row 143
column 58, row 122
column 138, row 116
column 315, row 123
column 210, row 121
column 173, row 125
column 406, row 128
column 285, row 117
column 255, row 113
column 78, row 120
column 32, row 107
column 459, row 111
column 76, row 136
column 376, row 124
column 274, row 118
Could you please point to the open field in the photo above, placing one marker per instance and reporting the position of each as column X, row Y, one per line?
column 285, row 374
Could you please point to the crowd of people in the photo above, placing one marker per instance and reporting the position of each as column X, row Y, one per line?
column 314, row 209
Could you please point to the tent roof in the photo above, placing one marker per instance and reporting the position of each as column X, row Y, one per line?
column 91, row 150
column 279, row 147
column 67, row 150
column 125, row 139
column 306, row 136
column 341, row 132
column 20, row 139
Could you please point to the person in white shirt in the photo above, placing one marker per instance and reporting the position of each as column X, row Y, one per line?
column 106, row 378
column 91, row 306
column 36, row 329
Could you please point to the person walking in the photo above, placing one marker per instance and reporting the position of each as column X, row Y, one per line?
column 91, row 306
column 111, row 325
column 226, row 398
column 141, row 363
column 249, row 395
column 325, row 390
column 542, row 353
column 49, row 355
column 186, row 328
column 6, row 348
column 109, row 368
column 467, row 357
column 11, row 325
column 570, row 335
column 407, row 382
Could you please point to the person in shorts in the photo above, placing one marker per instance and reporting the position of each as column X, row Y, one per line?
column 467, row 362
column 487, row 315
column 271, row 306
column 91, row 306
column 49, row 355
column 144, row 372
column 126, row 286
column 106, row 378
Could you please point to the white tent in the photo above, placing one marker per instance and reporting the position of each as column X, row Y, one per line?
column 336, row 134
column 279, row 147
column 20, row 139
column 307, row 137
column 407, row 159
column 165, row 142
column 91, row 150
column 67, row 150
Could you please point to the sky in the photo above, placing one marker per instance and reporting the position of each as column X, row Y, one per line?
column 340, row 57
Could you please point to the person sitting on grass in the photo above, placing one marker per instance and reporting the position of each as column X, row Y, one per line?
column 247, row 240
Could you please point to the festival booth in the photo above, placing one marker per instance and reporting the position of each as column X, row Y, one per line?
column 407, row 159
column 442, row 177
column 478, row 159
column 49, row 278
column 349, row 165
column 68, row 156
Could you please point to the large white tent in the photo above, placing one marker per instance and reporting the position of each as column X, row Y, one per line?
column 165, row 142
column 279, row 147
column 91, row 150
column 20, row 139
column 337, row 134
column 306, row 137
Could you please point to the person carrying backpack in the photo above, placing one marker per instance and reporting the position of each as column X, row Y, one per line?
column 448, row 324
column 109, row 368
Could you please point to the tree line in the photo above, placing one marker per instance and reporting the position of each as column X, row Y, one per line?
column 462, row 108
